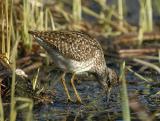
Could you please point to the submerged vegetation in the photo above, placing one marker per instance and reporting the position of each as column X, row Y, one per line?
column 130, row 37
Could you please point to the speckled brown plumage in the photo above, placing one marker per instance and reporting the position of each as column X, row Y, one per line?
column 76, row 52
column 72, row 44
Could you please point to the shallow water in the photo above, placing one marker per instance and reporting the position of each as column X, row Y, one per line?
column 95, row 106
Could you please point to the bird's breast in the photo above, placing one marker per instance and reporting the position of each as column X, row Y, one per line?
column 71, row 65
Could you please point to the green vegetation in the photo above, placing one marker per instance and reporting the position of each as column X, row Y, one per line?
column 124, row 95
column 15, row 22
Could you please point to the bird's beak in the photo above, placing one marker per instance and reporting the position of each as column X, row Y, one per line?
column 104, row 86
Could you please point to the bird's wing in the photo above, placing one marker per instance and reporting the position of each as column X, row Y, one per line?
column 71, row 44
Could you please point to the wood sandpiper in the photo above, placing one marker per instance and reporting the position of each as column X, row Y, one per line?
column 76, row 52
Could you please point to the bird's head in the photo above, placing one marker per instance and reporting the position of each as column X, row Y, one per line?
column 108, row 79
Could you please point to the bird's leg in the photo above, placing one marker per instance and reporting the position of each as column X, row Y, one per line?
column 74, row 88
column 65, row 87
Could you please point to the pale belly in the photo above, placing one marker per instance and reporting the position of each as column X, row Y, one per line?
column 70, row 65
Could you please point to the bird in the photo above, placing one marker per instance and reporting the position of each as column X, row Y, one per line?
column 76, row 52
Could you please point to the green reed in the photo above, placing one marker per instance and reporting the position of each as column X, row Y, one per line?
column 5, row 28
column 124, row 95
column 146, row 18
column 26, row 104
column 77, row 10
column 25, row 23
column 120, row 12
column 13, row 112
